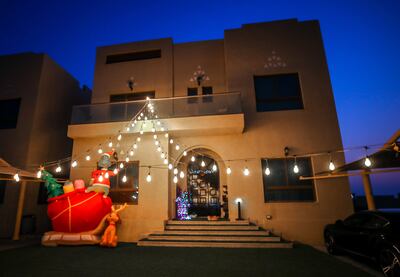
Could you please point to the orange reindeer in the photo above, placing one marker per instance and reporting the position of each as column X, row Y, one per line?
column 109, row 238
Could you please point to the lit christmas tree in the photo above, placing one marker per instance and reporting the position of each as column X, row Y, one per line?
column 183, row 205
column 53, row 188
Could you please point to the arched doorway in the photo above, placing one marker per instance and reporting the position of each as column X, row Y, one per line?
column 203, row 186
column 205, row 182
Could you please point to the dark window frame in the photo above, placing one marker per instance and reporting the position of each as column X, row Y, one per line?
column 133, row 56
column 207, row 91
column 289, row 178
column 3, row 188
column 121, row 195
column 8, row 117
column 276, row 81
column 192, row 93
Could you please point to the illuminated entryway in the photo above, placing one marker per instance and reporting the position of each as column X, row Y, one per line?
column 205, row 182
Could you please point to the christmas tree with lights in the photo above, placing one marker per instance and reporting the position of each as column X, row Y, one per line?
column 182, row 202
column 53, row 188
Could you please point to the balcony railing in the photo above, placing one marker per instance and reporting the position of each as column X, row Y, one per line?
column 215, row 104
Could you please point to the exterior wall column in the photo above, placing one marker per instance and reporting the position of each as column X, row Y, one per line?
column 20, row 209
column 368, row 190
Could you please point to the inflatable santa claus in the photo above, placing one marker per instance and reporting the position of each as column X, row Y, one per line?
column 100, row 179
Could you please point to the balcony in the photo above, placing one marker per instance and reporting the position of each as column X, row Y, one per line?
column 217, row 113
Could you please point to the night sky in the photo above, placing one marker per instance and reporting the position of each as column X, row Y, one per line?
column 362, row 43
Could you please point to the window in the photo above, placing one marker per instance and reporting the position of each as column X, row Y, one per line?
column 121, row 192
column 3, row 185
column 42, row 195
column 207, row 91
column 133, row 56
column 192, row 92
column 283, row 185
column 9, row 110
column 136, row 96
column 278, row 92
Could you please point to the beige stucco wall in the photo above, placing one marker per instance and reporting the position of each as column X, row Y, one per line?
column 152, row 208
column 313, row 129
column 207, row 54
column 150, row 75
column 48, row 93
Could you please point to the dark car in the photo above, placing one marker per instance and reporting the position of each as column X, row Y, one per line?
column 371, row 234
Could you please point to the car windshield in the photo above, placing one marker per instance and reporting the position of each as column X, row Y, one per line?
column 394, row 218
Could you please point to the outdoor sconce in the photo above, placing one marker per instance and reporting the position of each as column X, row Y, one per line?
column 238, row 202
column 268, row 217
column 286, row 151
column 131, row 83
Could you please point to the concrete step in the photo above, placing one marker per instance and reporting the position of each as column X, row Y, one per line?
column 212, row 227
column 215, row 232
column 226, row 244
column 205, row 222
column 213, row 238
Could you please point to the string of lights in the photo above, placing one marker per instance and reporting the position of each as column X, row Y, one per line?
column 147, row 115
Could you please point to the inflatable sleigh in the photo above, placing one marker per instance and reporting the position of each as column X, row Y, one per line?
column 77, row 218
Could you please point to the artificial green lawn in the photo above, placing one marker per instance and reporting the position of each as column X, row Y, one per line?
column 130, row 260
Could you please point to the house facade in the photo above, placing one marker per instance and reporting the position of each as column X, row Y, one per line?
column 36, row 99
column 260, row 97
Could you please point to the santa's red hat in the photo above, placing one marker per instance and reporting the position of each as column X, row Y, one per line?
column 108, row 154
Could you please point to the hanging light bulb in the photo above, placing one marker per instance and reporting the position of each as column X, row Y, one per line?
column 138, row 139
column 128, row 129
column 141, row 114
column 156, row 142
column 162, row 155
column 148, row 178
column 159, row 148
column 135, row 145
column 182, row 174
column 131, row 153
column 153, row 129
column 87, row 158
column 135, row 121
column 175, row 171
column 119, row 137
column 367, row 162
column 166, row 135
column 101, row 178
column 124, row 179
column 165, row 160
column 39, row 174
column 145, row 118
column 74, row 163
column 133, row 124
column 106, row 175
column 193, row 158
column 203, row 164
column 58, row 169
column 139, row 117
column 16, row 177
column 170, row 166
column 155, row 136
column 100, row 151
column 331, row 166
column 141, row 132
column 228, row 170
column 162, row 129
column 175, row 179
column 158, row 122
column 127, row 159
column 214, row 167
column 267, row 171
column 184, row 153
column 115, row 171
column 171, row 141
column 110, row 144
column 295, row 167
column 246, row 171
column 177, row 147
column 121, row 165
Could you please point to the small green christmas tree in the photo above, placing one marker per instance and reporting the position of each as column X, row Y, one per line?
column 53, row 188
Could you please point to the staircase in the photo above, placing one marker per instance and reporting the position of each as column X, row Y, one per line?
column 221, row 233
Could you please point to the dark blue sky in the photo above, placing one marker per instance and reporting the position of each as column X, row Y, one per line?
column 362, row 42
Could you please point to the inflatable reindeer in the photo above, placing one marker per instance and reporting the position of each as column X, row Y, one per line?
column 109, row 238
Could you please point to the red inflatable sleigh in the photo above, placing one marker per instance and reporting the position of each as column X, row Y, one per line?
column 78, row 211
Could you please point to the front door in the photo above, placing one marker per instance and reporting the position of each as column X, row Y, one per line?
column 203, row 187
